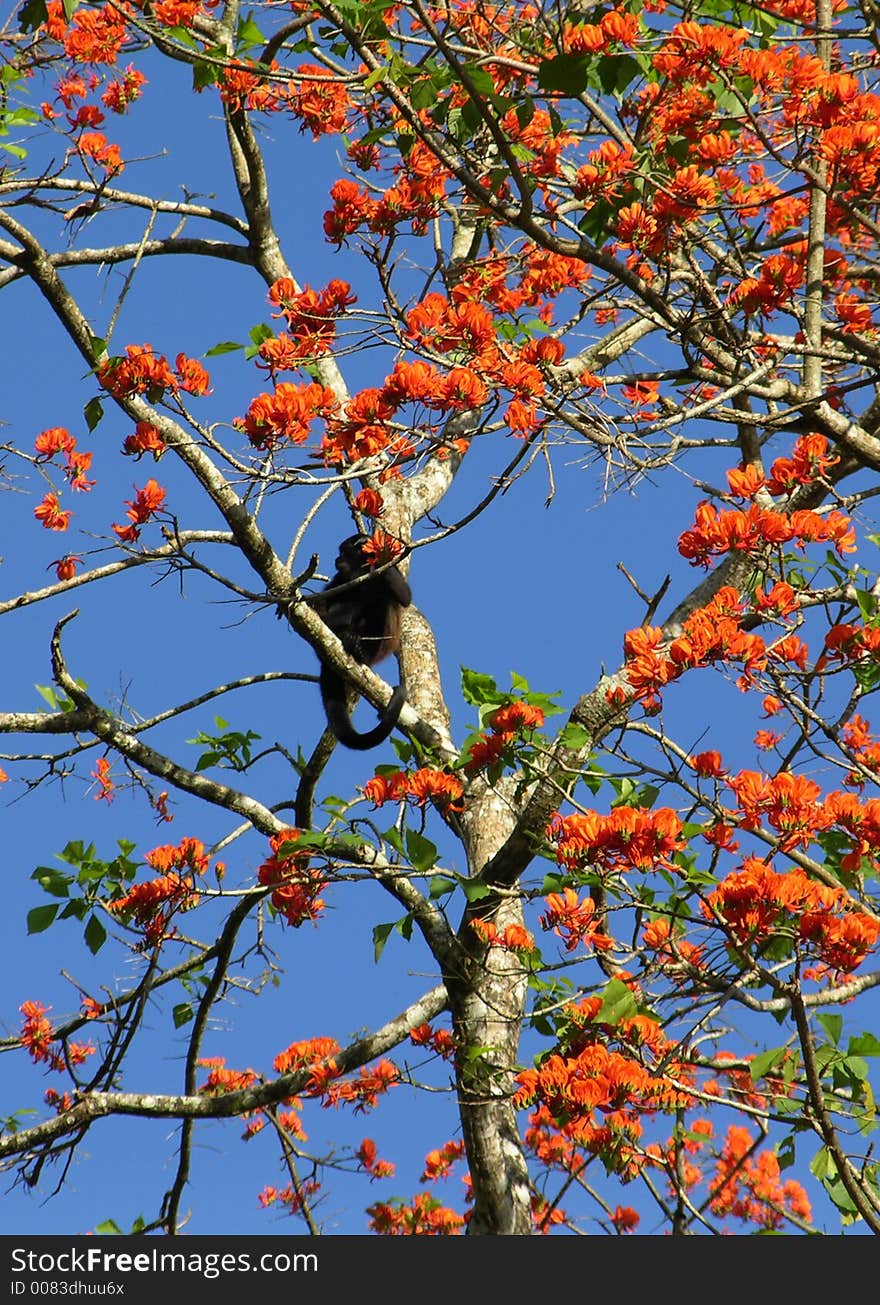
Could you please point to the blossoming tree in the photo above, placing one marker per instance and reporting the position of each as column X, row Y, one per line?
column 642, row 236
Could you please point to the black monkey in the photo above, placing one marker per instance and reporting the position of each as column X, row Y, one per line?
column 365, row 618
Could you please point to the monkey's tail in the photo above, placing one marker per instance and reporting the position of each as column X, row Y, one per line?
column 334, row 694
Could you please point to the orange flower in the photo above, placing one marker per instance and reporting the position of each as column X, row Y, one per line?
column 146, row 439
column 55, row 440
column 515, row 717
column 51, row 514
column 574, row 921
column 625, row 1219
column 106, row 787
column 191, row 375
column 439, row 1162
column 65, row 567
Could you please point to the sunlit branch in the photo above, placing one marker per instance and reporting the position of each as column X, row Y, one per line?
column 150, row 1105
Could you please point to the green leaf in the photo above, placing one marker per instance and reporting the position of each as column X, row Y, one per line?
column 204, row 73
column 865, row 1044
column 854, row 1068
column 575, row 736
column 260, row 333
column 618, row 1004
column 93, row 412
column 833, row 1026
column 822, row 1165
column 375, row 77
column 616, row 71
column 440, row 886
column 568, row 73
column 52, row 881
column 760, row 1064
column 785, row 1154
column 225, row 346
column 182, row 1013
column 867, row 605
column 248, row 34
column 95, row 934
column 109, row 1228
column 478, row 689
column 41, row 917
column 381, row 934
column 22, row 117
column 47, row 692
column 421, row 851
column 393, row 838
column 475, row 890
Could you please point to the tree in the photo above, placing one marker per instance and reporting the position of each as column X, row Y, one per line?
column 640, row 919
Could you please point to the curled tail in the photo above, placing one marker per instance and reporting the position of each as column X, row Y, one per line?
column 334, row 693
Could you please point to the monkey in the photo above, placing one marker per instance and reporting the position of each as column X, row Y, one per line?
column 365, row 618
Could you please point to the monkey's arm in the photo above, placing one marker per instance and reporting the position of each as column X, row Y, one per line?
column 400, row 590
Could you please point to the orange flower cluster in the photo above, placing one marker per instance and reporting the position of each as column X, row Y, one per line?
column 101, row 774
column 506, row 724
column 711, row 634
column 37, row 1038
column 514, row 937
column 312, row 1053
column 48, row 445
column 790, row 804
column 364, row 1091
column 146, row 439
column 95, row 36
column 366, row 1157
column 118, row 95
column 575, row 921
column 673, row 951
column 144, row 902
column 36, row 1032
column 320, row 100
column 856, row 735
column 187, row 855
column 422, row 786
column 593, row 38
column 850, row 643
column 756, row 902
column 716, row 532
column 295, row 888
column 627, row 838
column 141, row 371
column 145, row 504
column 414, row 198
column 221, row 1079
column 311, row 314
column 748, row 1185
column 94, row 145
column 50, row 512
column 596, row 1080
column 440, row 1040
column 381, row 548
column 438, row 1163
column 426, row 1217
column 293, row 1198
column 172, row 890
column 772, row 289
column 287, row 414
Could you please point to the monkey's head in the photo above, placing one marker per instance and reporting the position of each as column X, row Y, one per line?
column 350, row 558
